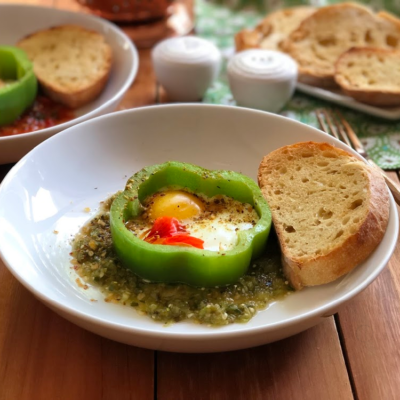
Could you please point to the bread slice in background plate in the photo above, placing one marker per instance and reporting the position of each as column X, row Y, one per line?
column 71, row 63
column 273, row 29
column 370, row 75
column 329, row 209
column 323, row 37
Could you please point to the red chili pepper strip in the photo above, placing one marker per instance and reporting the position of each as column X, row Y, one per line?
column 166, row 227
column 169, row 231
column 184, row 240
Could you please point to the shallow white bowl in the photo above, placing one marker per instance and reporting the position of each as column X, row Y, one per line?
column 50, row 187
column 17, row 21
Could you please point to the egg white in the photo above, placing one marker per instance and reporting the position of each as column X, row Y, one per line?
column 218, row 226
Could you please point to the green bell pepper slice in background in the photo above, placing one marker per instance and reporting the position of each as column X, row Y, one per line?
column 196, row 267
column 18, row 95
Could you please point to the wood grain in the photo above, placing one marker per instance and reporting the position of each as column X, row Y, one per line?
column 45, row 357
column 305, row 367
column 370, row 328
column 143, row 90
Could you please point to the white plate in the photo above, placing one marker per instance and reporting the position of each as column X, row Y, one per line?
column 17, row 21
column 50, row 187
column 338, row 97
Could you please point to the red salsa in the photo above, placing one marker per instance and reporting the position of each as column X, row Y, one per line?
column 43, row 114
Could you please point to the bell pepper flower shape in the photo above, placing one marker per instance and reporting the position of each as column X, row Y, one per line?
column 157, row 260
column 20, row 93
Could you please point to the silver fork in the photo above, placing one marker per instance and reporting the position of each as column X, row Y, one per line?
column 337, row 126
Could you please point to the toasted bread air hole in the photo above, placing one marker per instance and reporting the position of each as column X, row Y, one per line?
column 345, row 220
column 283, row 170
column 350, row 64
column 329, row 154
column 327, row 42
column 356, row 203
column 290, row 229
column 392, row 41
column 324, row 214
column 340, row 233
column 322, row 163
column 305, row 180
column 368, row 37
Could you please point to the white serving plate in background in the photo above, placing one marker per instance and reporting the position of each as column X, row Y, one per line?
column 50, row 187
column 17, row 21
column 338, row 97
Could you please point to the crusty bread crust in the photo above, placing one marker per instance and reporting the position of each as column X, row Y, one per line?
column 344, row 255
column 273, row 29
column 247, row 39
column 71, row 63
column 326, row 34
column 379, row 68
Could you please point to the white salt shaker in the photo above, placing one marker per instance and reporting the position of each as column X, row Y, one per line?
column 262, row 79
column 186, row 66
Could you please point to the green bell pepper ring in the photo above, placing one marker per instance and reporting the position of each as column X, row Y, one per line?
column 17, row 96
column 196, row 267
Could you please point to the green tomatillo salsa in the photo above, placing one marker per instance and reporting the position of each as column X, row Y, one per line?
column 96, row 262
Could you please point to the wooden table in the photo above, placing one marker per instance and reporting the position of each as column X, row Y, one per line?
column 354, row 354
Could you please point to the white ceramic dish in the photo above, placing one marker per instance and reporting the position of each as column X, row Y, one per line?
column 50, row 187
column 17, row 21
column 338, row 97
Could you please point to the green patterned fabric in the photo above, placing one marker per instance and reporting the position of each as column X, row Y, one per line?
column 219, row 22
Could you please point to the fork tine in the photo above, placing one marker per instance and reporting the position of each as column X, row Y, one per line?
column 323, row 119
column 333, row 121
column 358, row 147
column 332, row 126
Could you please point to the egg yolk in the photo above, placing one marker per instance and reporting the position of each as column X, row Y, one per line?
column 175, row 203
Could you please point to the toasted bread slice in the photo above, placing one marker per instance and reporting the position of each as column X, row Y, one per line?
column 370, row 75
column 71, row 63
column 330, row 210
column 330, row 31
column 272, row 30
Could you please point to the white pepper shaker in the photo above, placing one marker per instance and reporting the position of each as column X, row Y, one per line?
column 262, row 79
column 186, row 66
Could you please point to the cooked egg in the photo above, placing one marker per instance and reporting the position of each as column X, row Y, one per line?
column 175, row 203
column 216, row 220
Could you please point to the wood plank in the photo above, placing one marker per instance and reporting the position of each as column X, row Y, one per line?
column 45, row 357
column 143, row 90
column 307, row 366
column 370, row 327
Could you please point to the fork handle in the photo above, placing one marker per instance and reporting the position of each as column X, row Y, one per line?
column 393, row 186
